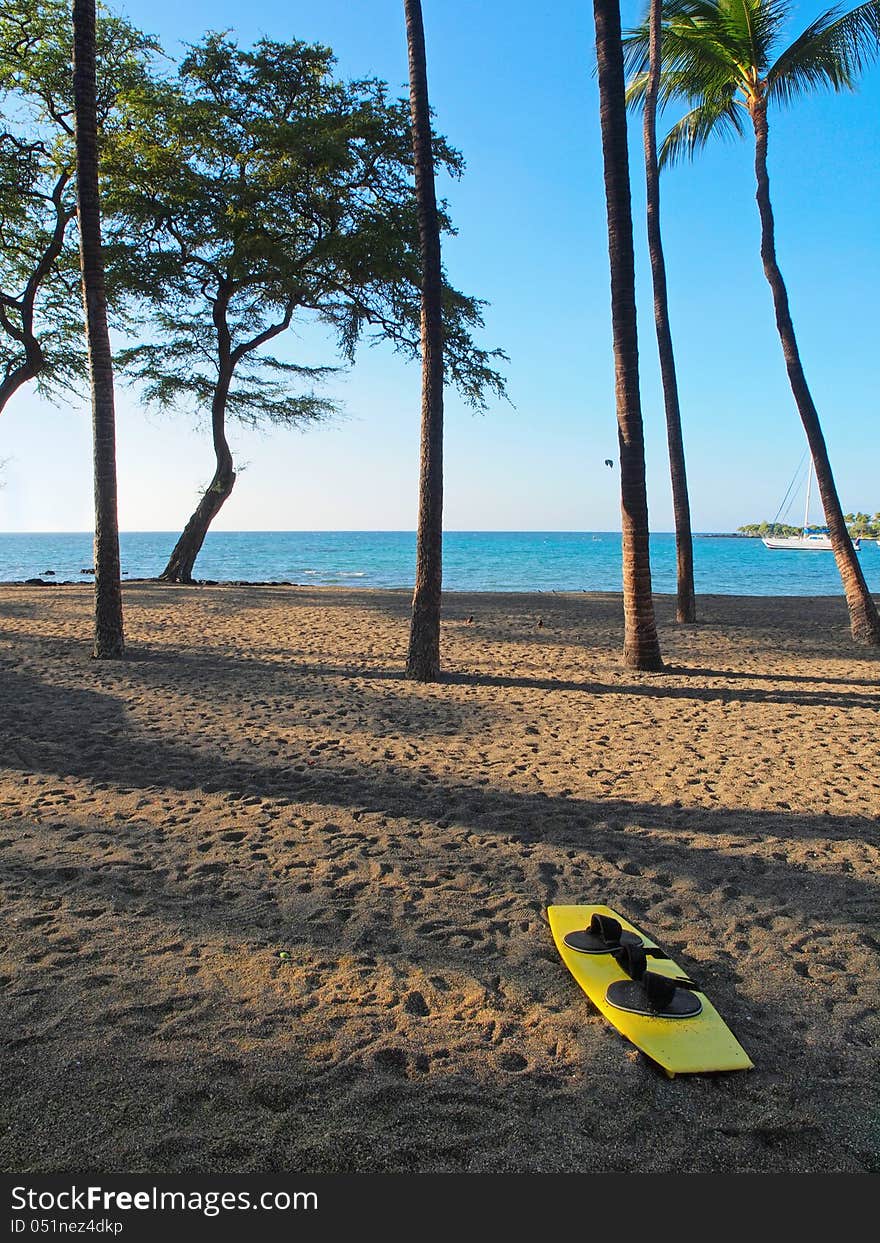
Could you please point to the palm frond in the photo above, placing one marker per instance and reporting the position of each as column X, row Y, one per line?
column 829, row 55
column 751, row 28
column 635, row 50
column 680, row 18
column 720, row 115
column 674, row 85
column 699, row 50
column 717, row 55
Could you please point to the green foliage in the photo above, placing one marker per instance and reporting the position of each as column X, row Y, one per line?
column 721, row 57
column 829, row 54
column 257, row 188
column 859, row 526
column 864, row 525
column 40, row 328
column 761, row 529
column 41, row 334
column 169, row 378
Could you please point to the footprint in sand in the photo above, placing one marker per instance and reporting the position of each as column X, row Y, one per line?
column 512, row 1062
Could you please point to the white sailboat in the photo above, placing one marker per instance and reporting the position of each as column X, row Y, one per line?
column 811, row 539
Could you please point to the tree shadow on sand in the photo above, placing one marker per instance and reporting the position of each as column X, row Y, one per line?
column 151, row 1025
column 397, row 892
column 88, row 735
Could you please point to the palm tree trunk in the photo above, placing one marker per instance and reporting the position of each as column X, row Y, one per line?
column 686, row 605
column 641, row 646
column 180, row 564
column 109, row 636
column 864, row 619
column 423, row 657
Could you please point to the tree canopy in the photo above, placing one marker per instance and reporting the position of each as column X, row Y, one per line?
column 41, row 332
column 727, row 56
column 256, row 187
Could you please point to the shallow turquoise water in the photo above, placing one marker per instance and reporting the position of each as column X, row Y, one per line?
column 473, row 560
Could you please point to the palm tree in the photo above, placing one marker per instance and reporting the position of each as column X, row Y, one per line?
column 641, row 646
column 109, row 637
column 423, row 657
column 686, row 604
column 720, row 56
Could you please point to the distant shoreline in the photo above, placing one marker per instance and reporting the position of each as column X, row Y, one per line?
column 544, row 562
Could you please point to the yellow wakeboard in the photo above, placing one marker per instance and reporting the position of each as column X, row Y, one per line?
column 691, row 1045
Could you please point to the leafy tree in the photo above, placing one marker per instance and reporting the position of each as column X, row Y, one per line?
column 41, row 329
column 860, row 524
column 760, row 529
column 641, row 645
column 254, row 190
column 723, row 57
column 423, row 658
column 109, row 635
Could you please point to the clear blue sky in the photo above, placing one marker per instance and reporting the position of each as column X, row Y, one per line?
column 512, row 86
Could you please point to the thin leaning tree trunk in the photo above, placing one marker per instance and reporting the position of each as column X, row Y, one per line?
column 423, row 657
column 864, row 619
column 641, row 646
column 109, row 634
column 686, row 605
column 183, row 557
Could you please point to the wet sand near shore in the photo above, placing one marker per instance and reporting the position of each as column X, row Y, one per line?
column 258, row 778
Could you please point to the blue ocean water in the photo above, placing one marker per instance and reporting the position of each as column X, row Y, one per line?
column 473, row 560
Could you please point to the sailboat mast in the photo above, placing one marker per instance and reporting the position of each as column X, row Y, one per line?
column 807, row 504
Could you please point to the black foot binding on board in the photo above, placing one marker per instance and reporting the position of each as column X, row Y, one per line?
column 647, row 992
column 603, row 936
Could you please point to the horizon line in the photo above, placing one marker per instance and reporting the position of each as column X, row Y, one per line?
column 373, row 531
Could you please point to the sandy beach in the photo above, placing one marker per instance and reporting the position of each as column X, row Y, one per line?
column 257, row 777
